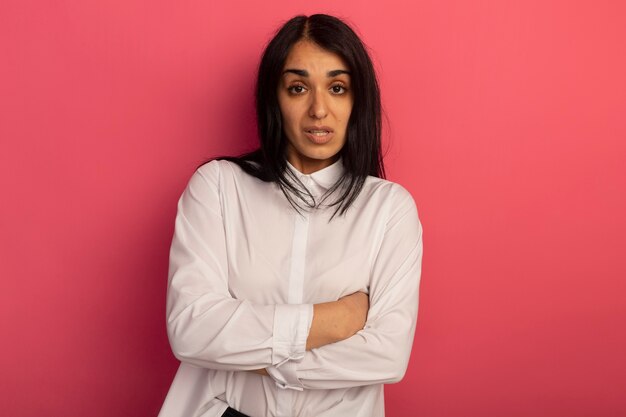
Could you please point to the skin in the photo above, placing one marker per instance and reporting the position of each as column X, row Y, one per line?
column 335, row 321
column 314, row 91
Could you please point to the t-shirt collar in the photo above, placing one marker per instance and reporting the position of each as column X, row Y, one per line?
column 324, row 177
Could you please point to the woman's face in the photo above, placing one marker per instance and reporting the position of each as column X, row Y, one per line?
column 315, row 99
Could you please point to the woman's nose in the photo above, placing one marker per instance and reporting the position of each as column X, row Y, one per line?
column 318, row 108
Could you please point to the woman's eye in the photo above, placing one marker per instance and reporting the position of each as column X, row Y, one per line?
column 338, row 89
column 296, row 89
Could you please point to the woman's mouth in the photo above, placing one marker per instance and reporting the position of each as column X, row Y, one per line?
column 318, row 132
column 319, row 136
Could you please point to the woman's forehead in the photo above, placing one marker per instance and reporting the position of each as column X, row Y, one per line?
column 309, row 57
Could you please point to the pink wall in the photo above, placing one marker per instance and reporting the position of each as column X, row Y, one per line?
column 507, row 123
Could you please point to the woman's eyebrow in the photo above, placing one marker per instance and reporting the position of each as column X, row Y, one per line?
column 305, row 73
column 337, row 72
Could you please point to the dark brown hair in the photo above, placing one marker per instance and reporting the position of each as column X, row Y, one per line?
column 361, row 154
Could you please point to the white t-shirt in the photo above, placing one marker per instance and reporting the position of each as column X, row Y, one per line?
column 245, row 271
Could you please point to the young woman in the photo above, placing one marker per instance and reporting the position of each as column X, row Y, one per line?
column 295, row 269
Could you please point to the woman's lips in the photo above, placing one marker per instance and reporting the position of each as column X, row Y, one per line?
column 319, row 135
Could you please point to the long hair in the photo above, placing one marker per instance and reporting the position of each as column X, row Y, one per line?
column 361, row 153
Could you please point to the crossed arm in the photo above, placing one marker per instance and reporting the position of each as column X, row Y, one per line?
column 358, row 340
column 335, row 321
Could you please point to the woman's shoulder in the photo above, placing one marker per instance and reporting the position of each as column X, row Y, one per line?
column 390, row 199
column 210, row 174
column 217, row 168
column 226, row 175
column 392, row 192
column 213, row 166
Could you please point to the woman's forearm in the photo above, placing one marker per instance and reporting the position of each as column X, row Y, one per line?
column 337, row 320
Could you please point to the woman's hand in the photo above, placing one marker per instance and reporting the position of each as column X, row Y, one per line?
column 261, row 371
column 337, row 320
column 356, row 305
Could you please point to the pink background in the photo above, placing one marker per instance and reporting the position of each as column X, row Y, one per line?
column 507, row 122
